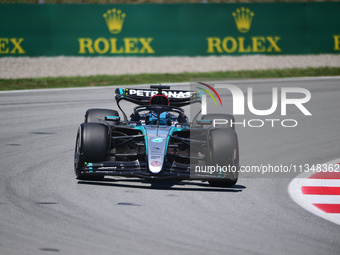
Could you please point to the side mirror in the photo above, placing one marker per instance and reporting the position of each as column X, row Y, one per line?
column 115, row 118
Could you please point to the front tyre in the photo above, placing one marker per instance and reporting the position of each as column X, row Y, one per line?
column 92, row 146
column 223, row 153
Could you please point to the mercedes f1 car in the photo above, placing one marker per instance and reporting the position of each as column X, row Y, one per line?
column 157, row 141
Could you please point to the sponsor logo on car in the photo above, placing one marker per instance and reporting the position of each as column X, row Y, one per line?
column 157, row 140
column 150, row 93
column 155, row 163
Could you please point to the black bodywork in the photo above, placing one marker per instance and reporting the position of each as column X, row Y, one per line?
column 159, row 148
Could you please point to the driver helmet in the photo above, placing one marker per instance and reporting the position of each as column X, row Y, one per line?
column 164, row 118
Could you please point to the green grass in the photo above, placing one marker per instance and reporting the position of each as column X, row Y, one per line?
column 106, row 80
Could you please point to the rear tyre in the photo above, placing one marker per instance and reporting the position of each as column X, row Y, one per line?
column 98, row 116
column 230, row 118
column 92, row 146
column 223, row 153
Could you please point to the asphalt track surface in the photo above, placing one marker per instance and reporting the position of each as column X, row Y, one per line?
column 45, row 210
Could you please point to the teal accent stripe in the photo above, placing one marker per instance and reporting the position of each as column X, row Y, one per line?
column 172, row 130
column 142, row 128
column 166, row 145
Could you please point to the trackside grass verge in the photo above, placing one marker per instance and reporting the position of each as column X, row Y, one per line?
column 106, row 80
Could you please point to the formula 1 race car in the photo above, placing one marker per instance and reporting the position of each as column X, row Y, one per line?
column 158, row 141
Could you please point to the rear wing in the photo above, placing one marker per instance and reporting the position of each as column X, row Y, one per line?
column 178, row 98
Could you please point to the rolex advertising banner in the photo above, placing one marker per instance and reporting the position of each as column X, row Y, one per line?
column 169, row 29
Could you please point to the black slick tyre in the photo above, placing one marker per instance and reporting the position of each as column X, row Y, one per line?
column 92, row 146
column 224, row 153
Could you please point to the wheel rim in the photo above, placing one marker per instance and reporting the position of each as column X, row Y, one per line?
column 77, row 155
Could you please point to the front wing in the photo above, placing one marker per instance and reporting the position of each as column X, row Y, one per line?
column 170, row 171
